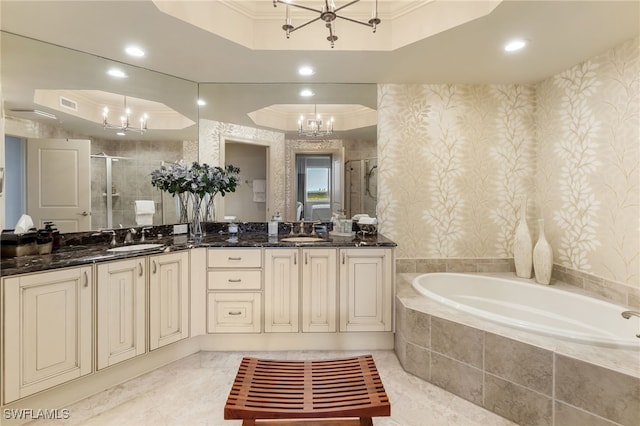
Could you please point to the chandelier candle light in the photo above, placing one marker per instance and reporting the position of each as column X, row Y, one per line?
column 124, row 126
column 314, row 125
column 328, row 14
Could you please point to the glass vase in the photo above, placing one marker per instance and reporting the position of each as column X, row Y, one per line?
column 183, row 205
column 196, row 218
column 210, row 209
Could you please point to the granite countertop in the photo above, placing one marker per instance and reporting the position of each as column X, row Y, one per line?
column 79, row 252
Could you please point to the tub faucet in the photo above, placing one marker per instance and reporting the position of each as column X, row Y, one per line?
column 628, row 314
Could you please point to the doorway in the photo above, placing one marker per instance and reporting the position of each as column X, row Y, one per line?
column 315, row 189
column 249, row 202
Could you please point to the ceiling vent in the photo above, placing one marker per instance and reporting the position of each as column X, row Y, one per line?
column 30, row 112
column 68, row 103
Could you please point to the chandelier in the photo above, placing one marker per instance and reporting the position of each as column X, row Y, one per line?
column 124, row 125
column 328, row 14
column 314, row 126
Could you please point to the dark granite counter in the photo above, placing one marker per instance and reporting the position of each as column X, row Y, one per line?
column 90, row 248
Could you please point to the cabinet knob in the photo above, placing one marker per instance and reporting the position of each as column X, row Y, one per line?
column 235, row 313
column 140, row 269
column 155, row 268
column 86, row 279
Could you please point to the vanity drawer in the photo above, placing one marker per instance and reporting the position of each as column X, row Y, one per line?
column 234, row 258
column 234, row 279
column 233, row 312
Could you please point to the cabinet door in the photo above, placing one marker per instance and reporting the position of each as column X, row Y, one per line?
column 365, row 290
column 281, row 291
column 319, row 290
column 47, row 330
column 121, row 310
column 168, row 298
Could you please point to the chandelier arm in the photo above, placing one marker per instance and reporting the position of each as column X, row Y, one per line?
column 345, row 5
column 355, row 21
column 300, row 6
column 304, row 25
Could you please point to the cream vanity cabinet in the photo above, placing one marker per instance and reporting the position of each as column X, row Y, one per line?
column 300, row 275
column 47, row 330
column 121, row 325
column 234, row 290
column 168, row 298
column 366, row 278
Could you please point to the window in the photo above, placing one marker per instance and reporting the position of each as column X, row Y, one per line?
column 317, row 184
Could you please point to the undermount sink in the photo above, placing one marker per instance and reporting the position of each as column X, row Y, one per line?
column 301, row 239
column 135, row 247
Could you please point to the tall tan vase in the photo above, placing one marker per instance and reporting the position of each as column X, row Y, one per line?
column 542, row 257
column 522, row 244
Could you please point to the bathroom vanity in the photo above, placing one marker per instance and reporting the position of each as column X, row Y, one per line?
column 84, row 318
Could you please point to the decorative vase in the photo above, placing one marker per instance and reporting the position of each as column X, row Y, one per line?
column 196, row 218
column 183, row 205
column 542, row 257
column 210, row 208
column 522, row 244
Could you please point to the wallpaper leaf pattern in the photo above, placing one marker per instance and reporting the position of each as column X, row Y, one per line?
column 455, row 161
column 576, row 216
column 514, row 155
column 444, row 154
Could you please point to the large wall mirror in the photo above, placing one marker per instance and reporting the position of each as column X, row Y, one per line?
column 305, row 177
column 54, row 94
column 54, row 100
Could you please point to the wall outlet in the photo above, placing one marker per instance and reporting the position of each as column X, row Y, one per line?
column 183, row 228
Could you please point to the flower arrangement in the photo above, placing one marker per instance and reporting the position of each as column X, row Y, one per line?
column 199, row 179
column 195, row 184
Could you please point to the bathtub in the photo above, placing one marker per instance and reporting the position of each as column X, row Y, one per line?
column 533, row 307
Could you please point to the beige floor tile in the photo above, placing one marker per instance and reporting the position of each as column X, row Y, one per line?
column 193, row 391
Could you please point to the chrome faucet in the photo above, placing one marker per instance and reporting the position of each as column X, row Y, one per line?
column 143, row 232
column 128, row 239
column 628, row 314
column 113, row 236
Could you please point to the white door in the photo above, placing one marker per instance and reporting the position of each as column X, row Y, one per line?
column 59, row 182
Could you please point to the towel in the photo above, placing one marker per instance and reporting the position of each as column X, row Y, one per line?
column 144, row 212
column 145, row 207
column 259, row 190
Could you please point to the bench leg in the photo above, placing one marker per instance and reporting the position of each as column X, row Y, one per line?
column 366, row 421
column 248, row 422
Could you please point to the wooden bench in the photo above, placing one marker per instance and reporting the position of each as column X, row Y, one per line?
column 268, row 390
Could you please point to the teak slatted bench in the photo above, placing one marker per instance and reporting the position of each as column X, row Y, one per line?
column 342, row 388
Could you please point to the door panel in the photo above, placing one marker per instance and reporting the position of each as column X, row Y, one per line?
column 59, row 182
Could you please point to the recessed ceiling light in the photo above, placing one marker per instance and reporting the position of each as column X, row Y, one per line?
column 514, row 45
column 134, row 51
column 201, row 102
column 115, row 72
column 306, row 70
column 306, row 93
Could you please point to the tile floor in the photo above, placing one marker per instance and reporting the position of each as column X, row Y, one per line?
column 193, row 391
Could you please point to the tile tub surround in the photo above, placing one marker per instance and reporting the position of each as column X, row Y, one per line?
column 525, row 377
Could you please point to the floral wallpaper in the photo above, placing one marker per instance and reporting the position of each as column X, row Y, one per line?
column 588, row 177
column 455, row 161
